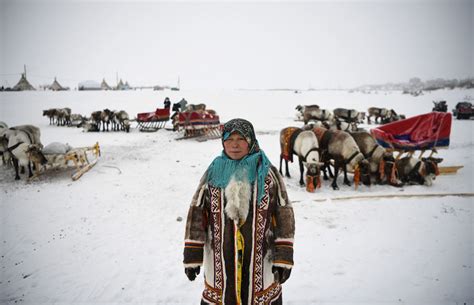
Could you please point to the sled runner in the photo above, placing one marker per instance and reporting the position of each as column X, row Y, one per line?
column 152, row 121
column 202, row 125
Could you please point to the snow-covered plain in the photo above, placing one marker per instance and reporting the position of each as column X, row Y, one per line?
column 116, row 235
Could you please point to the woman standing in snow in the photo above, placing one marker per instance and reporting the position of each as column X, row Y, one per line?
column 240, row 224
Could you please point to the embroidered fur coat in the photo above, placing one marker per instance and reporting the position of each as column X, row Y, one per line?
column 227, row 226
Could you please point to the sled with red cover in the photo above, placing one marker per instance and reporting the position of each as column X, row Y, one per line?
column 152, row 121
column 198, row 124
column 422, row 132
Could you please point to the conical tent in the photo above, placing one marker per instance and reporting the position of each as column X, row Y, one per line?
column 55, row 86
column 104, row 85
column 120, row 85
column 23, row 84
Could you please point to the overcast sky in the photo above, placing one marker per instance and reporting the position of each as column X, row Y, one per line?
column 236, row 44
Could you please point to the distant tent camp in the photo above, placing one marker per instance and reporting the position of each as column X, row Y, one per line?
column 104, row 85
column 122, row 86
column 23, row 84
column 55, row 86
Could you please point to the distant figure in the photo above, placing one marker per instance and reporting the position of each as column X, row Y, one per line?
column 167, row 103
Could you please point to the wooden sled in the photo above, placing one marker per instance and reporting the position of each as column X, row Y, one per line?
column 79, row 156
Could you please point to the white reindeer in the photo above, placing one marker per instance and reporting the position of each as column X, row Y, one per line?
column 304, row 144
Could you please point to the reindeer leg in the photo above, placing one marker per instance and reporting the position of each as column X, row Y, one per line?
column 300, row 161
column 287, row 172
column 336, row 171
column 30, row 172
column 346, row 180
column 281, row 161
column 323, row 168
column 15, row 165
column 329, row 169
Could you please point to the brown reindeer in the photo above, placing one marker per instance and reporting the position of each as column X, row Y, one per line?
column 377, row 113
column 346, row 115
column 96, row 118
column 122, row 120
column 105, row 117
column 50, row 114
column 381, row 163
column 317, row 114
column 341, row 147
column 195, row 107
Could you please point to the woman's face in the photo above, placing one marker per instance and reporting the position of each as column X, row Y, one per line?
column 236, row 147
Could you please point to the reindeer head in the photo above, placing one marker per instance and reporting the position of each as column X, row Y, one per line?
column 429, row 169
column 34, row 153
column 364, row 168
column 3, row 143
column 388, row 172
column 313, row 171
column 126, row 123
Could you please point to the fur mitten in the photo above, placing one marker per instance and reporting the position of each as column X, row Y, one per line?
column 191, row 273
column 281, row 274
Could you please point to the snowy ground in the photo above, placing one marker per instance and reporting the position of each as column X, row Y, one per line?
column 116, row 235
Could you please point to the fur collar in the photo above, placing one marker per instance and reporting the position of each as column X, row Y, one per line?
column 237, row 194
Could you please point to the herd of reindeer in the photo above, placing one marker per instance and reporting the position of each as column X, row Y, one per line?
column 333, row 138
column 328, row 138
column 107, row 119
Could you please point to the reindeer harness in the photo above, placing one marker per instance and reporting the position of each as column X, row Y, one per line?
column 289, row 138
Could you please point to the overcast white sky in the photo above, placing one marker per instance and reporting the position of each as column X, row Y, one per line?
column 236, row 44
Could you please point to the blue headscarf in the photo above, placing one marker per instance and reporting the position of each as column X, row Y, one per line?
column 252, row 167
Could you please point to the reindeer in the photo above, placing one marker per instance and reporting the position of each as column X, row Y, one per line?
column 346, row 115
column 377, row 113
column 90, row 125
column 195, row 107
column 6, row 159
column 300, row 110
column 341, row 147
column 96, row 119
column 416, row 171
column 105, row 117
column 304, row 144
column 313, row 113
column 77, row 120
column 50, row 113
column 36, row 157
column 17, row 142
column 63, row 116
column 392, row 117
column 123, row 120
column 381, row 163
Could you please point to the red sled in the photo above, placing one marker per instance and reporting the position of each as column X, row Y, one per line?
column 152, row 121
column 422, row 132
column 199, row 124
